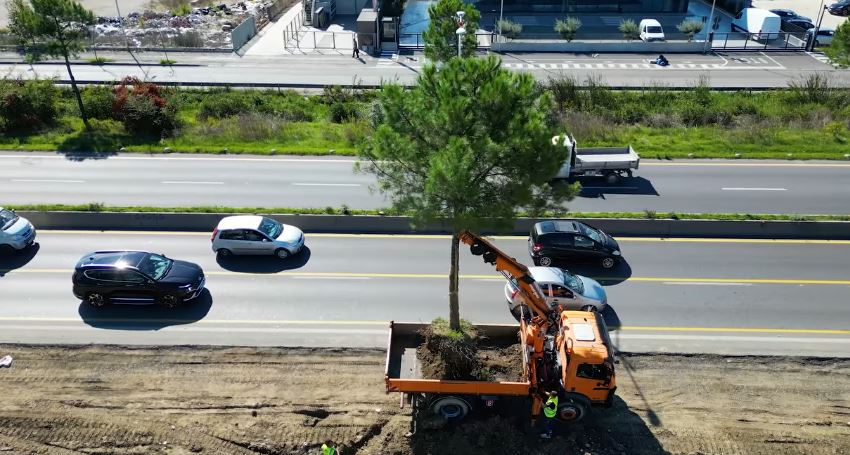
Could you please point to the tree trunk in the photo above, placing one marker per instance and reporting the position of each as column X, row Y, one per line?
column 454, row 307
column 77, row 95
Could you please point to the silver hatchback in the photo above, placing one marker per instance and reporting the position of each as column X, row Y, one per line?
column 256, row 235
column 571, row 291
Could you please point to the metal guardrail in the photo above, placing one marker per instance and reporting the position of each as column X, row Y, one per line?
column 414, row 41
column 740, row 41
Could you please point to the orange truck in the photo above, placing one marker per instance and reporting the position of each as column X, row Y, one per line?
column 565, row 351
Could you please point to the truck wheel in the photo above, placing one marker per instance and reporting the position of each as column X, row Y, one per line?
column 574, row 408
column 612, row 178
column 452, row 408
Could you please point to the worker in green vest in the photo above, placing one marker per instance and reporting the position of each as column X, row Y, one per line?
column 550, row 410
column 328, row 449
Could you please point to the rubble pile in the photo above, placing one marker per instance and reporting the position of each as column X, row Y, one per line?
column 207, row 26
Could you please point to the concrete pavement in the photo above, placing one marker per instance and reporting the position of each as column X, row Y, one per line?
column 253, row 181
column 721, row 296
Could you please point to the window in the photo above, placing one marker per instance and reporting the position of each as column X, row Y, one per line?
column 235, row 234
column 99, row 275
column 271, row 228
column 252, row 236
column 561, row 292
column 130, row 276
column 590, row 371
column 584, row 242
column 561, row 240
column 155, row 266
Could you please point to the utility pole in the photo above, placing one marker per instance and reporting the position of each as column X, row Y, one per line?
column 709, row 33
column 461, row 31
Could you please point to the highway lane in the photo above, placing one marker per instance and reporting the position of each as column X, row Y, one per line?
column 695, row 296
column 254, row 181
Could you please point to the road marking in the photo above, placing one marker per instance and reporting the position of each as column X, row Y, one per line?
column 754, row 189
column 229, row 159
column 697, row 283
column 446, row 237
column 289, row 273
column 48, row 181
column 327, row 184
column 609, row 188
column 764, row 330
column 332, row 278
column 637, row 336
column 186, row 182
column 643, row 164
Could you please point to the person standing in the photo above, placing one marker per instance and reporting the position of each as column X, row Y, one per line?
column 328, row 449
column 550, row 410
column 355, row 52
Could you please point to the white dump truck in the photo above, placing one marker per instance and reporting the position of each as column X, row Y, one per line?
column 610, row 163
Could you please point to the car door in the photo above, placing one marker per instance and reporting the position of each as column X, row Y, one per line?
column 562, row 245
column 133, row 287
column 234, row 240
column 257, row 242
column 562, row 295
column 585, row 248
column 547, row 291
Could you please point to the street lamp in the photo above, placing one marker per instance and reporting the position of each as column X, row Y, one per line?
column 499, row 24
column 461, row 31
column 708, row 34
column 814, row 38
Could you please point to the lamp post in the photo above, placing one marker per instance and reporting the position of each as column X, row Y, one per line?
column 708, row 33
column 811, row 46
column 499, row 24
column 461, row 31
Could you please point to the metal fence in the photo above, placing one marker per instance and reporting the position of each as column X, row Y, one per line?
column 739, row 41
column 298, row 36
column 414, row 41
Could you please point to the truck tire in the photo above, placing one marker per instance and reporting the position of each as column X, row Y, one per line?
column 452, row 408
column 612, row 178
column 573, row 408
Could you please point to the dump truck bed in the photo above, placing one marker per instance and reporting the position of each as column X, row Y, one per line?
column 602, row 158
column 403, row 371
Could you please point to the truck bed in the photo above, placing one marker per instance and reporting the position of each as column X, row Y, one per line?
column 403, row 373
column 606, row 158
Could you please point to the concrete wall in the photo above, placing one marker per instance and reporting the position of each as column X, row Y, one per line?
column 243, row 32
column 397, row 225
column 607, row 46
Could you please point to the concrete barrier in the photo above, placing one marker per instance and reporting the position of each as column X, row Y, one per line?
column 836, row 230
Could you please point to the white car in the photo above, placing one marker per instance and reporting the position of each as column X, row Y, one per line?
column 16, row 232
column 251, row 234
column 650, row 30
column 573, row 292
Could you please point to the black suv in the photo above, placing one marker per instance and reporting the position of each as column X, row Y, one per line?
column 136, row 276
column 571, row 241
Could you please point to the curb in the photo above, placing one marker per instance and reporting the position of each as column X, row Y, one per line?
column 368, row 224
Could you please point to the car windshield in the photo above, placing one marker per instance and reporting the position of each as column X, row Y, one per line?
column 154, row 265
column 654, row 30
column 7, row 218
column 573, row 282
column 592, row 233
column 271, row 228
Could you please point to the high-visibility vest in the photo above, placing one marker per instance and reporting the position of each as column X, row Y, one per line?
column 328, row 450
column 551, row 407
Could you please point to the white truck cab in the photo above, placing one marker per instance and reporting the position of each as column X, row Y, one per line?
column 16, row 232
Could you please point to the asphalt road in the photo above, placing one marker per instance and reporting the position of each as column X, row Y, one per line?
column 742, row 69
column 251, row 181
column 686, row 295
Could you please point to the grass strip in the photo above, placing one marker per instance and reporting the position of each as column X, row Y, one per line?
column 344, row 210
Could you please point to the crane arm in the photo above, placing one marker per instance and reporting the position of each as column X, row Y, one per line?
column 510, row 269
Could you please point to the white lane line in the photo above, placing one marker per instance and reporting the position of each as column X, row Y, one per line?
column 697, row 283
column 332, row 278
column 754, row 189
column 229, row 159
column 48, row 181
column 609, row 188
column 768, row 339
column 180, row 182
column 327, row 184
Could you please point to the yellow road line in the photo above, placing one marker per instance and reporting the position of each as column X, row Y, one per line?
column 482, row 277
column 710, row 164
column 386, row 324
column 445, row 237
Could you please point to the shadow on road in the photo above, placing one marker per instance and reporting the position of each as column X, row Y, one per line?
column 611, row 277
column 264, row 264
column 145, row 317
column 596, row 188
column 18, row 259
column 612, row 319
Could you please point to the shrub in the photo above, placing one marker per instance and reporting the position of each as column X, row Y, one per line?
column 342, row 103
column 629, row 29
column 567, row 28
column 839, row 49
column 143, row 109
column 690, row 27
column 99, row 101
column 27, row 105
column 222, row 105
column 509, row 28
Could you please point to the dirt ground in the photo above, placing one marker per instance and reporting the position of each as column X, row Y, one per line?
column 129, row 400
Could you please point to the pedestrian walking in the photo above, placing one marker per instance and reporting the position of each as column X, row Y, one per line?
column 355, row 53
column 550, row 410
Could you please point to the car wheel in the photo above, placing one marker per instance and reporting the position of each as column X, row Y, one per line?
column 224, row 252
column 612, row 178
column 96, row 300
column 544, row 261
column 6, row 249
column 607, row 263
column 169, row 301
column 590, row 308
column 281, row 253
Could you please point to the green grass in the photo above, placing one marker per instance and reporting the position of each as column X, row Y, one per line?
column 166, row 61
column 99, row 60
column 98, row 207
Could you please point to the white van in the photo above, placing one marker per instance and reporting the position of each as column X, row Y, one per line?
column 16, row 232
column 650, row 30
column 760, row 23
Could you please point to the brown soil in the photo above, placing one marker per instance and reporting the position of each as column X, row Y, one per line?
column 128, row 400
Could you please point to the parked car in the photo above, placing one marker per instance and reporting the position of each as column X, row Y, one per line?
column 650, row 30
column 824, row 37
column 840, row 8
column 251, row 234
column 16, row 232
column 805, row 24
column 760, row 24
column 136, row 277
column 786, row 14
column 573, row 292
column 571, row 241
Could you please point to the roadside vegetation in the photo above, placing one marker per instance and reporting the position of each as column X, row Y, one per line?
column 345, row 210
column 808, row 120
